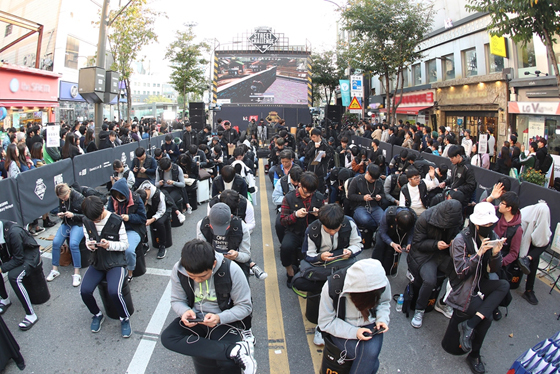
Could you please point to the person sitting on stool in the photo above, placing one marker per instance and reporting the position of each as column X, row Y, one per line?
column 170, row 177
column 200, row 289
column 157, row 213
column 20, row 255
column 106, row 237
column 286, row 184
column 143, row 167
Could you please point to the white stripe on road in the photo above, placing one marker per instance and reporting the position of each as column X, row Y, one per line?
column 154, row 271
column 145, row 349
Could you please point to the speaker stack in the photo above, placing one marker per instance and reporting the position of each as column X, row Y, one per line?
column 197, row 115
column 333, row 113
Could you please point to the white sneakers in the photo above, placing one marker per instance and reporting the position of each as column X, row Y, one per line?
column 241, row 355
column 52, row 275
column 417, row 319
column 76, row 280
column 318, row 338
column 181, row 217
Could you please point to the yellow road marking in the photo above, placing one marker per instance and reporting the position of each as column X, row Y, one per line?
column 277, row 352
column 315, row 352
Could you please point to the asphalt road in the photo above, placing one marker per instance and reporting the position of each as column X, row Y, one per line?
column 61, row 341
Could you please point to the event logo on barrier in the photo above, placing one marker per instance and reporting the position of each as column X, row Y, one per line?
column 58, row 179
column 40, row 188
column 82, row 173
column 123, row 158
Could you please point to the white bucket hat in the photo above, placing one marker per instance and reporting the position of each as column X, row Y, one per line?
column 484, row 214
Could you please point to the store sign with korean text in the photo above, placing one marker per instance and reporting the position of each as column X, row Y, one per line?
column 416, row 99
column 536, row 107
column 263, row 39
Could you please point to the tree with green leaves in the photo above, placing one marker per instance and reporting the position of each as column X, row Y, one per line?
column 521, row 19
column 187, row 65
column 157, row 99
column 384, row 40
column 130, row 31
column 326, row 74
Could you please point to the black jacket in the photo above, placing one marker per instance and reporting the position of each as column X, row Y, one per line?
column 359, row 187
column 441, row 222
column 231, row 136
column 20, row 248
column 463, row 179
column 310, row 153
column 74, row 205
column 189, row 137
column 239, row 185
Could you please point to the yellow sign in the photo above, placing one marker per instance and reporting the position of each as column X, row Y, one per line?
column 355, row 104
column 498, row 46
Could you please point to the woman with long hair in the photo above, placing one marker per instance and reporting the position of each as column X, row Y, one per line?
column 69, row 149
column 504, row 162
column 24, row 159
column 364, row 293
column 12, row 164
column 480, row 159
column 89, row 142
column 37, row 154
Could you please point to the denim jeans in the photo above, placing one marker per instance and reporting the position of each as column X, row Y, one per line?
column 133, row 241
column 76, row 234
column 368, row 218
column 365, row 355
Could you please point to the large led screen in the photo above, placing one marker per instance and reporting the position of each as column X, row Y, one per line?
column 262, row 80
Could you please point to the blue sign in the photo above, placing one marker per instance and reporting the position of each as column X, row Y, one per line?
column 69, row 92
column 345, row 91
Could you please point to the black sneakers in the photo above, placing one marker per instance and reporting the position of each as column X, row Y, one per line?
column 465, row 336
column 476, row 365
column 524, row 265
column 530, row 297
column 161, row 253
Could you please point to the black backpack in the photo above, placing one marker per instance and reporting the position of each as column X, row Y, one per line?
column 545, row 165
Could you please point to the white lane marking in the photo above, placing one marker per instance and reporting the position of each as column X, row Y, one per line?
column 145, row 349
column 154, row 271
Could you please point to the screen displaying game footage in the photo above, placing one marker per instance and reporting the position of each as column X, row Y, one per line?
column 262, row 80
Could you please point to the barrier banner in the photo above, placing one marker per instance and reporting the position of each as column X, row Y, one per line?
column 95, row 168
column 387, row 151
column 488, row 178
column 156, row 142
column 9, row 201
column 145, row 143
column 36, row 188
column 126, row 154
column 438, row 160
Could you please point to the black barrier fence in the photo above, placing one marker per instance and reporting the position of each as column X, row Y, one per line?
column 529, row 193
column 9, row 201
column 36, row 188
column 31, row 194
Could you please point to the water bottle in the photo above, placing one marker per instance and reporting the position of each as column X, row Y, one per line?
column 400, row 302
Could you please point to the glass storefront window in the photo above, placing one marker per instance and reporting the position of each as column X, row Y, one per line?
column 448, row 64
column 416, row 75
column 551, row 131
column 72, row 51
column 495, row 64
column 472, row 123
column 431, row 71
column 470, row 67
column 526, row 58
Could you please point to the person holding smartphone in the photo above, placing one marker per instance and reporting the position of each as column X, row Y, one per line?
column 475, row 252
column 359, row 327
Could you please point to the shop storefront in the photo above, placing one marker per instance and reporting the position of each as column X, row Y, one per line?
column 416, row 107
column 72, row 106
column 475, row 107
column 29, row 95
column 534, row 119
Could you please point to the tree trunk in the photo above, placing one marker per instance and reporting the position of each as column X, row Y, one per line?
column 128, row 97
column 388, row 93
column 550, row 50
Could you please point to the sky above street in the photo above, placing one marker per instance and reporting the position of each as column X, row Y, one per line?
column 314, row 20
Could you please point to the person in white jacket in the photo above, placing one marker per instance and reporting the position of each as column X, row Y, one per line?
column 467, row 143
column 367, row 296
column 535, row 221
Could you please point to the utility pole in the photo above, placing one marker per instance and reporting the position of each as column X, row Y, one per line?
column 101, row 50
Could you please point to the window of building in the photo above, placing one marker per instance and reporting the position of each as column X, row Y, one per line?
column 416, row 75
column 9, row 29
column 154, row 85
column 72, row 49
column 470, row 67
column 526, row 58
column 495, row 64
column 404, row 81
column 158, row 84
column 448, row 65
column 431, row 71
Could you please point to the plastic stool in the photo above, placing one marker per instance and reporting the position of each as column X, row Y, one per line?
column 36, row 285
column 174, row 220
column 205, row 365
column 85, row 254
column 312, row 307
column 169, row 238
column 110, row 310
column 140, row 268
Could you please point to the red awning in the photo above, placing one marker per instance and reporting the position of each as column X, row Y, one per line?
column 30, row 104
column 408, row 110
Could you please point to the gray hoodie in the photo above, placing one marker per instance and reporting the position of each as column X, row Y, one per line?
column 161, row 207
column 365, row 275
column 240, row 294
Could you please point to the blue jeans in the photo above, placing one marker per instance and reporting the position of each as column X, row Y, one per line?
column 365, row 354
column 76, row 234
column 133, row 241
column 369, row 219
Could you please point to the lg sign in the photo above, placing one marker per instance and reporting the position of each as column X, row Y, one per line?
column 423, row 98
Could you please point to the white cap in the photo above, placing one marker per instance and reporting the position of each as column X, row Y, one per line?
column 484, row 214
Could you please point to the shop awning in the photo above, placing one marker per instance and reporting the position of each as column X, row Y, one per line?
column 30, row 104
column 408, row 110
